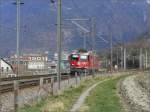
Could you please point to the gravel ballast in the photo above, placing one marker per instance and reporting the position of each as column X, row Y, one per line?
column 134, row 96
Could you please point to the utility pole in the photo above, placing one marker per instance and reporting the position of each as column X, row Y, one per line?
column 59, row 38
column 93, row 28
column 0, row 68
column 111, row 51
column 125, row 58
column 0, row 28
column 84, row 40
column 18, row 34
column 146, row 59
column 117, row 57
column 140, row 59
column 121, row 57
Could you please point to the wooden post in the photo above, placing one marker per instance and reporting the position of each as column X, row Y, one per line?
column 76, row 77
column 85, row 73
column 16, row 92
column 68, row 79
column 41, row 82
column 46, row 82
column 80, row 77
column 52, row 86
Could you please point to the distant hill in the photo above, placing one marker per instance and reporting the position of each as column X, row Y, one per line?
column 141, row 42
column 125, row 19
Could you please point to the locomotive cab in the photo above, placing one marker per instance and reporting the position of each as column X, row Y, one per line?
column 79, row 62
column 83, row 62
column 74, row 58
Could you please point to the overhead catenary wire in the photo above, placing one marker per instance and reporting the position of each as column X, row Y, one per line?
column 83, row 14
column 81, row 27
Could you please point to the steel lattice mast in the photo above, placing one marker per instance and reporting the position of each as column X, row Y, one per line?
column 18, row 34
column 59, row 36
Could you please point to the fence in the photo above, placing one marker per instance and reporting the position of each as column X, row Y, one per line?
column 20, row 97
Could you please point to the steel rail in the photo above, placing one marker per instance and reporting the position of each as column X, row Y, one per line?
column 8, row 86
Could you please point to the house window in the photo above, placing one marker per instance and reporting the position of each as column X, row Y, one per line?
column 2, row 69
column 21, row 62
column 13, row 62
column 7, row 69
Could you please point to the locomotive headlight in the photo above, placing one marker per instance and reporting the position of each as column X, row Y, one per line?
column 78, row 63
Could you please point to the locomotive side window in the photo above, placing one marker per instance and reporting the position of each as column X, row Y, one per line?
column 74, row 57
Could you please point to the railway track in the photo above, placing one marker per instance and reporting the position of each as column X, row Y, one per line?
column 7, row 84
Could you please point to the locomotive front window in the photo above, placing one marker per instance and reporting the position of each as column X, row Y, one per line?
column 74, row 57
column 83, row 57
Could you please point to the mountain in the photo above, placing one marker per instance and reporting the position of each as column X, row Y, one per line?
column 125, row 20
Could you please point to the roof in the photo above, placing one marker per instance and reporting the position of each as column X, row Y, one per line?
column 7, row 63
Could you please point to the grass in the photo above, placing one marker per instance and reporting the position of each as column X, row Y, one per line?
column 104, row 98
column 63, row 102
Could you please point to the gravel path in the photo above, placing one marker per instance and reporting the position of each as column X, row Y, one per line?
column 137, row 99
column 83, row 96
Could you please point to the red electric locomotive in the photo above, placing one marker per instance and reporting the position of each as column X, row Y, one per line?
column 83, row 62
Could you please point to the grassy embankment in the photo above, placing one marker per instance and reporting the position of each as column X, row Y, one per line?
column 104, row 98
column 63, row 102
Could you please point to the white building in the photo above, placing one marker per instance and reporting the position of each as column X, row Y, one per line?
column 30, row 61
column 36, row 65
column 37, row 62
column 5, row 67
